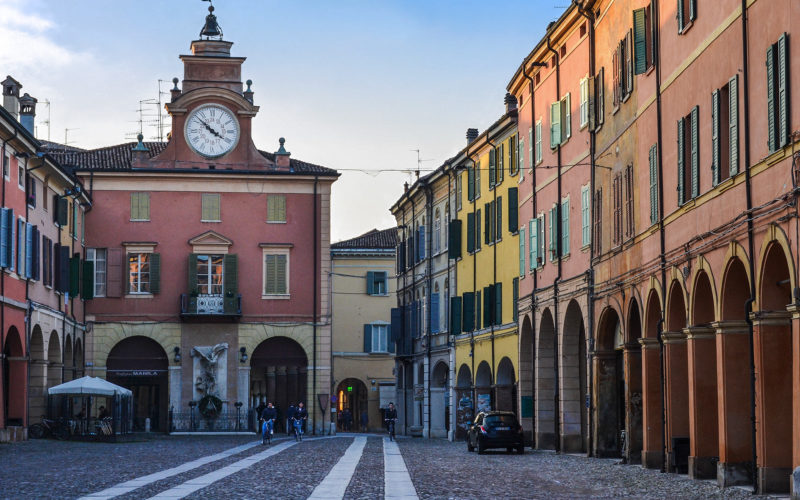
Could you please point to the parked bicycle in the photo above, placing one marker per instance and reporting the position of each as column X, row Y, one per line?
column 49, row 428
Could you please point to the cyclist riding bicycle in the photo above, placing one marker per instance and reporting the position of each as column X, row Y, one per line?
column 268, row 416
column 300, row 414
column 390, row 417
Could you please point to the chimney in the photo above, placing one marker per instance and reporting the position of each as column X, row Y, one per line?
column 27, row 112
column 405, row 187
column 282, row 156
column 11, row 89
column 510, row 101
column 472, row 134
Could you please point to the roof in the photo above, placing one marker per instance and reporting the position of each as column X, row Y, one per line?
column 386, row 238
column 118, row 157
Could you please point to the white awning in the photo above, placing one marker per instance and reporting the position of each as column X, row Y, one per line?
column 89, row 386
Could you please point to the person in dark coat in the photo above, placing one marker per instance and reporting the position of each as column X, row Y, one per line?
column 300, row 414
column 289, row 416
column 268, row 416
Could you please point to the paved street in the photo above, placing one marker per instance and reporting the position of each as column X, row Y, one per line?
column 344, row 466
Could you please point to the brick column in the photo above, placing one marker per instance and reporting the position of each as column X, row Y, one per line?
column 733, row 388
column 677, row 393
column 632, row 358
column 703, row 419
column 795, row 312
column 652, row 416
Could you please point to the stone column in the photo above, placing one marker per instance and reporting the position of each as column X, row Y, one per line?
column 676, row 373
column 243, row 387
column 703, row 419
column 733, row 387
column 772, row 344
column 175, row 388
column 37, row 390
column 426, row 397
column 281, row 397
column 632, row 358
column 652, row 411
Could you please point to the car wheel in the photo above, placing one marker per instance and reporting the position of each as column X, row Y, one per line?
column 469, row 445
column 481, row 447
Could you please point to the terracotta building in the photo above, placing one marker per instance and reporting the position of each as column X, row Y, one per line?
column 363, row 294
column 210, row 257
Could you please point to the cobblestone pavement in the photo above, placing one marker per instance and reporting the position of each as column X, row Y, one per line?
column 438, row 469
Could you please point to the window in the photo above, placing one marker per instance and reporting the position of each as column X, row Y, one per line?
column 210, row 208
column 653, row 157
column 599, row 99
column 437, row 233
column 30, row 191
column 687, row 12
column 73, row 228
column 560, row 122
column 478, row 229
column 565, row 227
column 20, row 175
column 585, row 211
column 622, row 63
column 629, row 222
column 470, row 232
column 520, row 155
column 276, row 274
column 6, row 165
column 478, row 181
column 533, row 243
column 378, row 340
column 688, row 161
column 598, row 220
column 139, row 273
column 522, row 251
column 725, row 132
column 538, row 142
column 513, row 154
column 47, row 261
column 140, row 206
column 459, row 190
column 584, row 102
column 617, row 195
column 493, row 161
column 552, row 221
column 210, row 274
column 276, row 208
column 643, row 30
column 377, row 283
column 778, row 94
column 531, row 157
column 97, row 258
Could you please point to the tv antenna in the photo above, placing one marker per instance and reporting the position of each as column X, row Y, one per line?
column 46, row 102
column 66, row 136
column 420, row 161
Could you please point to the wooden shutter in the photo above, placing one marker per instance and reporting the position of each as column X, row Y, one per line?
column 640, row 40
column 230, row 272
column 733, row 124
column 533, row 243
column 497, row 314
column 487, row 213
column 367, row 338
column 555, row 124
column 515, row 299
column 470, row 232
column 615, row 76
column 87, row 284
column 553, row 234
column 468, row 316
column 74, row 274
column 598, row 218
column 29, row 250
column 192, row 282
column 783, row 91
column 370, row 283
column 522, row 251
column 488, row 305
column 629, row 62
column 155, row 273
column 35, row 250
column 681, row 157
column 454, row 239
column 679, row 15
column 600, row 105
column 715, row 127
column 478, row 229
column 498, row 229
column 695, row 152
column 492, row 166
column 434, row 313
column 654, row 183
column 772, row 125
column 567, row 123
column 4, row 239
column 565, row 228
column 455, row 315
column 501, row 162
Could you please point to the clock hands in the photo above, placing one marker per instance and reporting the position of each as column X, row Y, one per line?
column 207, row 126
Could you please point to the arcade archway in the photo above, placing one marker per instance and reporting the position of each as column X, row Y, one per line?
column 140, row 364
column 465, row 406
column 351, row 400
column 506, row 386
column 14, row 375
column 279, row 372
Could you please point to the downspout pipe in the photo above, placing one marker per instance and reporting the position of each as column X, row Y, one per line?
column 316, row 302
column 662, row 238
column 3, row 295
column 429, row 296
column 475, row 190
column 750, row 239
column 589, row 16
column 557, row 279
column 493, row 221
column 532, row 265
column 451, row 285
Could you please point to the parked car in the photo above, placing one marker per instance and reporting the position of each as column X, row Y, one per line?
column 495, row 429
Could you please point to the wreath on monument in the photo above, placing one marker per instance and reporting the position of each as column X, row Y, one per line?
column 210, row 406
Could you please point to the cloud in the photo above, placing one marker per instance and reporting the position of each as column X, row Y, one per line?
column 24, row 42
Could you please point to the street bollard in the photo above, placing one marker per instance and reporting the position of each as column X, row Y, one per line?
column 147, row 425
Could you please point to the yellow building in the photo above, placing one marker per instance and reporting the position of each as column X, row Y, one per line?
column 363, row 352
column 487, row 266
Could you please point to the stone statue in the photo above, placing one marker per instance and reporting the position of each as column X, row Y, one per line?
column 209, row 356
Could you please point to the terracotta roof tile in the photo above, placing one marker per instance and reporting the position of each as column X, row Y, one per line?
column 386, row 238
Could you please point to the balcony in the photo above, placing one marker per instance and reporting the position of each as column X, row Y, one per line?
column 205, row 307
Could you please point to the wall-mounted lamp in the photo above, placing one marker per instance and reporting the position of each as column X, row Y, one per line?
column 177, row 351
column 243, row 354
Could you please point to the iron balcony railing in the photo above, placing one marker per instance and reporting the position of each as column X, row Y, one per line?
column 194, row 305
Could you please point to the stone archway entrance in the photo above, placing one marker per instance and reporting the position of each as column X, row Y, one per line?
column 140, row 364
column 440, row 411
column 465, row 406
column 609, row 387
column 351, row 395
column 279, row 373
column 506, row 387
column 14, row 375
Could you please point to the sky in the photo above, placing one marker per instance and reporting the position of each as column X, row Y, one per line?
column 354, row 85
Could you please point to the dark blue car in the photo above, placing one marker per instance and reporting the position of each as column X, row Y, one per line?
column 495, row 429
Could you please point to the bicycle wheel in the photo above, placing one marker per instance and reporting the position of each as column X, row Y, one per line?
column 36, row 431
column 61, row 432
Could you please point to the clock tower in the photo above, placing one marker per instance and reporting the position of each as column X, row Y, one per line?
column 212, row 114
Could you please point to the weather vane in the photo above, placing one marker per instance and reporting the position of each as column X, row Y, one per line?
column 211, row 28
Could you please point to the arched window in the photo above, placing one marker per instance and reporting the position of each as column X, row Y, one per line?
column 437, row 233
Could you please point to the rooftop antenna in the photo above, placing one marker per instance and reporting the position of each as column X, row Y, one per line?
column 420, row 161
column 66, row 136
column 46, row 102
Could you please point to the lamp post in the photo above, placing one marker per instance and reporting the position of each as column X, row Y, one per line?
column 238, row 406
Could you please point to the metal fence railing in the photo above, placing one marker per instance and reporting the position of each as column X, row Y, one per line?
column 228, row 421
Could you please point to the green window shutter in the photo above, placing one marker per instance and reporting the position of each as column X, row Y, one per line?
column 487, row 223
column 553, row 234
column 454, row 239
column 695, row 152
column 565, row 228
column 63, row 212
column 145, row 206
column 733, row 124
column 468, row 308
column 783, row 91
column 515, row 298
column 367, row 338
column 585, row 216
column 192, row 282
column 488, row 304
column 513, row 209
column 681, row 156
column 478, row 310
column 567, row 118
column 492, row 166
column 455, row 315
column 470, row 233
column 715, row 137
column 498, row 229
column 370, row 283
column 501, row 163
column 478, row 229
column 134, row 206
column 772, row 135
column 654, row 184
column 74, row 275
column 230, row 273
column 155, row 273
column 521, row 251
column 533, row 251
column 497, row 291
column 87, row 284
column 530, row 146
column 471, row 183
column 680, row 15
column 555, row 124
column 640, row 41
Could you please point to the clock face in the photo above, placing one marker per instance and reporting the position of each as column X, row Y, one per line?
column 212, row 130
